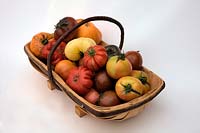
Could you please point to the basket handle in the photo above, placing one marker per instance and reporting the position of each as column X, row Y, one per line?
column 66, row 34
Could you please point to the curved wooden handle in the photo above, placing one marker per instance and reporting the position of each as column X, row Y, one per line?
column 66, row 34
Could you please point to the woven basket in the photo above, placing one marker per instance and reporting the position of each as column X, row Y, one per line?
column 82, row 106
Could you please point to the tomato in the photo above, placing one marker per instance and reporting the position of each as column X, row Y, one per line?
column 63, row 67
column 112, row 50
column 75, row 48
column 109, row 98
column 103, row 82
column 95, row 57
column 128, row 88
column 57, row 55
column 135, row 58
column 64, row 25
column 92, row 96
column 118, row 66
column 38, row 42
column 143, row 77
column 80, row 80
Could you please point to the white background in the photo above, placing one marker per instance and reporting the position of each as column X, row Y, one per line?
column 167, row 33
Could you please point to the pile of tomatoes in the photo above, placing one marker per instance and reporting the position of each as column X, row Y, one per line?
column 100, row 73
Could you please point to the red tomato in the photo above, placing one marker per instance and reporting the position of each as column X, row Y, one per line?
column 58, row 55
column 118, row 66
column 95, row 57
column 128, row 88
column 80, row 80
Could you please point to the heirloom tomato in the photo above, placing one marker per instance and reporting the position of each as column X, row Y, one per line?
column 89, row 30
column 64, row 25
column 80, row 80
column 58, row 54
column 95, row 57
column 38, row 42
column 128, row 88
column 118, row 66
column 143, row 77
column 63, row 68
column 75, row 48
column 135, row 59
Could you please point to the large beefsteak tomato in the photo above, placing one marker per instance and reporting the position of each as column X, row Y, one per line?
column 95, row 57
column 80, row 80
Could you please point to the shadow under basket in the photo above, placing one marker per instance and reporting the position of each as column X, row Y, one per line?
column 83, row 107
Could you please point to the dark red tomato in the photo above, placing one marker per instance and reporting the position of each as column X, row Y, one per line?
column 135, row 59
column 63, row 26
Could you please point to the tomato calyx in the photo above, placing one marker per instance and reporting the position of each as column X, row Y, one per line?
column 128, row 88
column 121, row 57
column 91, row 52
column 61, row 24
column 76, row 77
column 143, row 79
column 44, row 41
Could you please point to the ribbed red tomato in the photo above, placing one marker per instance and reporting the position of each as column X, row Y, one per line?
column 95, row 57
column 80, row 80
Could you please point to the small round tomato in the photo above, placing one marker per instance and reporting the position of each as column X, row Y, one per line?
column 63, row 67
column 135, row 58
column 118, row 66
column 128, row 88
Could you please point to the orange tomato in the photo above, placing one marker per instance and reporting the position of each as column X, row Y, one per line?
column 89, row 30
column 63, row 67
column 38, row 42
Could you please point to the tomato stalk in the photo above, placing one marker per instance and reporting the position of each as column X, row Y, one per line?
column 128, row 88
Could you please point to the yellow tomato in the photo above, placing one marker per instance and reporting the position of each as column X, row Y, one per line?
column 128, row 88
column 118, row 66
column 143, row 77
column 76, row 47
